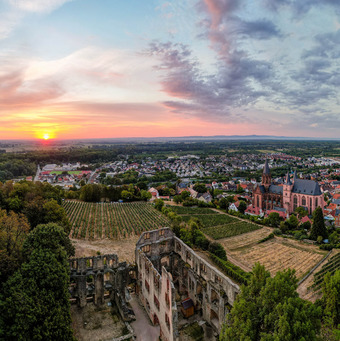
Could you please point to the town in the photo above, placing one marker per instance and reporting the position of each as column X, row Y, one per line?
column 162, row 241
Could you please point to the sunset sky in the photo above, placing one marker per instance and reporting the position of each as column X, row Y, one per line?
column 132, row 68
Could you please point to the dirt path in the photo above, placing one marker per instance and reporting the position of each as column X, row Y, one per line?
column 142, row 327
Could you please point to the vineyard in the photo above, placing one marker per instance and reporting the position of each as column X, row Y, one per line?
column 191, row 210
column 275, row 254
column 112, row 220
column 332, row 265
column 215, row 224
column 246, row 240
column 209, row 220
column 230, row 230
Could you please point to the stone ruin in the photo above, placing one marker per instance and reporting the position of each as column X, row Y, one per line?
column 94, row 279
column 166, row 268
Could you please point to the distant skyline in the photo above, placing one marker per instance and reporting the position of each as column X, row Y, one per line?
column 79, row 69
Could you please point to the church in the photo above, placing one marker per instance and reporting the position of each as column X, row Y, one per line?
column 294, row 193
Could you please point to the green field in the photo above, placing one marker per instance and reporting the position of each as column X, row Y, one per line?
column 230, row 230
column 112, row 220
column 191, row 210
column 216, row 225
column 212, row 219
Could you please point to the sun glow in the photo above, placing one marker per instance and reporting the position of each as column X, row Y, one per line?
column 46, row 136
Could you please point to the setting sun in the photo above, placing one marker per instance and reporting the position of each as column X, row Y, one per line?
column 46, row 136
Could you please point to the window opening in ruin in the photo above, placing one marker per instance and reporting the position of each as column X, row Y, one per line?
column 156, row 302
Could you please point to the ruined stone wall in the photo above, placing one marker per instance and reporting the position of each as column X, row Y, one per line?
column 94, row 278
column 156, row 288
column 211, row 291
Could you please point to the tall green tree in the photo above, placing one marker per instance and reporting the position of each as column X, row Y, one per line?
column 242, row 206
column 35, row 304
column 269, row 309
column 318, row 227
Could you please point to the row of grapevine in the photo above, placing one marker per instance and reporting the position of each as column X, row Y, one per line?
column 209, row 220
column 230, row 230
column 215, row 224
column 112, row 220
column 331, row 266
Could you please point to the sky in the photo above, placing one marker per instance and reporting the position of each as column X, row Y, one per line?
column 74, row 69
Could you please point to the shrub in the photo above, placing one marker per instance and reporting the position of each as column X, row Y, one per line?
column 266, row 238
column 277, row 232
column 218, row 250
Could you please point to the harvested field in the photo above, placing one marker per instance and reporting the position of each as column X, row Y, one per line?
column 276, row 254
column 246, row 239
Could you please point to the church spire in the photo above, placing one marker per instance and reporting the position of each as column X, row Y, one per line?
column 266, row 177
column 295, row 175
column 266, row 170
column 288, row 182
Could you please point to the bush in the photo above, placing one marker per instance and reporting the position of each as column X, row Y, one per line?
column 231, row 270
column 202, row 242
column 218, row 250
column 266, row 238
column 277, row 232
column 327, row 247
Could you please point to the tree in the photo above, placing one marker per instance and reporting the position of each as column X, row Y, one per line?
column 242, row 206
column 126, row 195
column 14, row 229
column 318, row 227
column 185, row 195
column 159, row 203
column 239, row 189
column 301, row 212
column 223, row 203
column 200, row 188
column 178, row 199
column 334, row 238
column 269, row 309
column 145, row 195
column 274, row 219
column 218, row 250
column 331, row 297
column 36, row 299
column 293, row 222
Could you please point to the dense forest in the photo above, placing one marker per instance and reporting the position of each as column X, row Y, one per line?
column 34, row 271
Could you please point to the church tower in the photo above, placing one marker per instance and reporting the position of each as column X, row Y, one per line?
column 266, row 177
column 287, row 193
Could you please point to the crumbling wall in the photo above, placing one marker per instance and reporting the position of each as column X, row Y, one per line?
column 211, row 291
column 95, row 278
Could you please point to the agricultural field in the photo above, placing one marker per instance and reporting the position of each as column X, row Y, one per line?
column 182, row 210
column 275, row 254
column 112, row 220
column 246, row 239
column 331, row 266
column 215, row 224
column 230, row 230
column 209, row 220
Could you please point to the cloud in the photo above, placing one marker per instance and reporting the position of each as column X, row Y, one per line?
column 299, row 7
column 17, row 93
column 259, row 29
column 209, row 96
column 8, row 21
column 37, row 6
